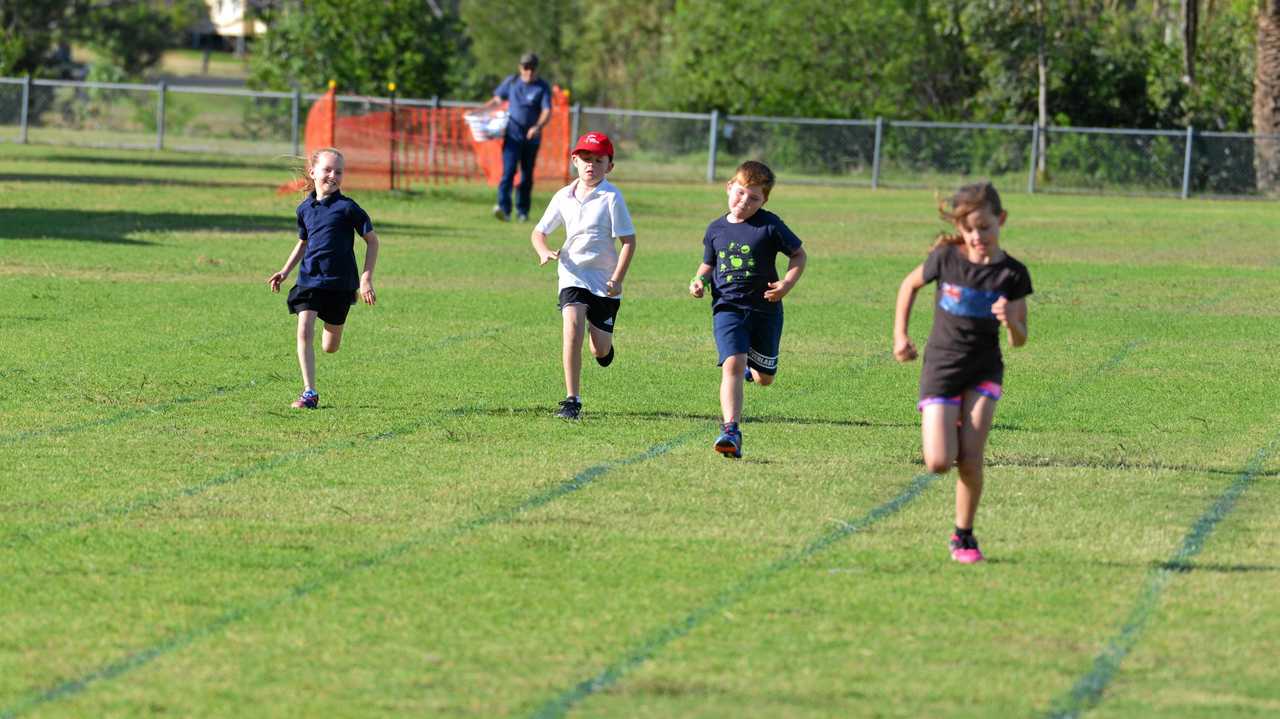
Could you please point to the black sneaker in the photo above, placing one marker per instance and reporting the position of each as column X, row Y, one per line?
column 570, row 408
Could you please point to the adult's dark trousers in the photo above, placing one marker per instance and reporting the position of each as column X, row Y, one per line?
column 522, row 154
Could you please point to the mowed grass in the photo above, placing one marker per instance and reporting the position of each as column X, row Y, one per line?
column 175, row 540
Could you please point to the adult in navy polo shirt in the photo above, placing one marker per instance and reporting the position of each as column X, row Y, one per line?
column 528, row 111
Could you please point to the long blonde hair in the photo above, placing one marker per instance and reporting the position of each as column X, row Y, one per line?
column 308, row 183
column 967, row 199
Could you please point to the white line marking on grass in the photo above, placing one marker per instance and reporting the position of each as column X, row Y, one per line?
column 72, row 687
column 1088, row 690
column 612, row 674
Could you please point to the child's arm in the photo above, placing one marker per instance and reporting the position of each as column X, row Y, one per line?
column 1013, row 315
column 370, row 260
column 545, row 254
column 701, row 278
column 903, row 349
column 614, row 285
column 795, row 268
column 294, row 257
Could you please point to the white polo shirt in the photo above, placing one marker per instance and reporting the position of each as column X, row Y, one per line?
column 588, row 256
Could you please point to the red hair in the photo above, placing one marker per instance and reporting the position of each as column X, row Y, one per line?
column 754, row 174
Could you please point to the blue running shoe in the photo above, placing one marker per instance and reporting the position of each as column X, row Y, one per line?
column 748, row 376
column 308, row 400
column 729, row 443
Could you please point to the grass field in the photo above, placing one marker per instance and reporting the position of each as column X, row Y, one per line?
column 175, row 540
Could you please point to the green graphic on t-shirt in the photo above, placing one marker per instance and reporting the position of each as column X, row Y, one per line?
column 736, row 263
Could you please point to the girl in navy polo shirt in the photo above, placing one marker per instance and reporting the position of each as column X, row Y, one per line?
column 327, row 280
column 980, row 289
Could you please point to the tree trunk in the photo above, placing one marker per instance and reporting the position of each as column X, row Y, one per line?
column 1190, row 26
column 1266, row 98
column 1042, row 92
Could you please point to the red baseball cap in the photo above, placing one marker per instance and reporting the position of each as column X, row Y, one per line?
column 596, row 142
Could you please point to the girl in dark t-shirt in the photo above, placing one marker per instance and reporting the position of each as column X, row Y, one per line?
column 980, row 289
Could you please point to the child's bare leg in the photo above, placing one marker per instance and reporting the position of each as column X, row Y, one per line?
column 760, row 378
column 941, row 441
column 575, row 320
column 731, row 387
column 601, row 341
column 306, row 352
column 979, row 411
column 332, row 338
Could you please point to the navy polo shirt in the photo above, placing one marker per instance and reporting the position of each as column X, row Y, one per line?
column 329, row 227
column 526, row 101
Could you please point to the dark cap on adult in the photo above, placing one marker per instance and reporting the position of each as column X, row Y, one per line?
column 529, row 59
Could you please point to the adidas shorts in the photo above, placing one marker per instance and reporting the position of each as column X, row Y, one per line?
column 601, row 311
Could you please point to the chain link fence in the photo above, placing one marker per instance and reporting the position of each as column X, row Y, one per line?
column 685, row 147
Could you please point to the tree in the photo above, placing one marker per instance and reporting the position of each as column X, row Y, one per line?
column 617, row 53
column 132, row 36
column 499, row 32
column 863, row 58
column 29, row 32
column 1266, row 97
column 361, row 44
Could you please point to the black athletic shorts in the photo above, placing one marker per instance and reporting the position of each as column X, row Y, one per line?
column 331, row 306
column 601, row 311
column 948, row 375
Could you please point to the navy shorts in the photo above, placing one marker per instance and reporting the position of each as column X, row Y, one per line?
column 601, row 311
column 755, row 334
column 331, row 306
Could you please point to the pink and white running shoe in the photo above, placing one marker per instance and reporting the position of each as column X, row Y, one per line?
column 965, row 549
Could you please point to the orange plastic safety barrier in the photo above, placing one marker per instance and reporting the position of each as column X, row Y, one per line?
column 409, row 146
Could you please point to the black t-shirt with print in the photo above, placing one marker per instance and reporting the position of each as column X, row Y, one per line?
column 742, row 256
column 963, row 323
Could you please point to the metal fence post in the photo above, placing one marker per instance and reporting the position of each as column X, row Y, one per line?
column 1186, row 165
column 26, row 103
column 1035, row 148
column 711, row 155
column 875, row 154
column 431, row 138
column 297, row 111
column 160, row 116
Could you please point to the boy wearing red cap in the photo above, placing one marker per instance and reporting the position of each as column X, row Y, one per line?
column 591, row 269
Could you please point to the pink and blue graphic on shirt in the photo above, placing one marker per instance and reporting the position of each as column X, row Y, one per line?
column 966, row 301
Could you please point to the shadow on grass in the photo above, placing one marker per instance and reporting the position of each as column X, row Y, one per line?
column 128, row 180
column 694, row 416
column 1185, row 566
column 116, row 226
column 1123, row 465
column 195, row 162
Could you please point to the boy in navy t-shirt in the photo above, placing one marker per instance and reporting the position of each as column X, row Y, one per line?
column 738, row 255
column 328, row 222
